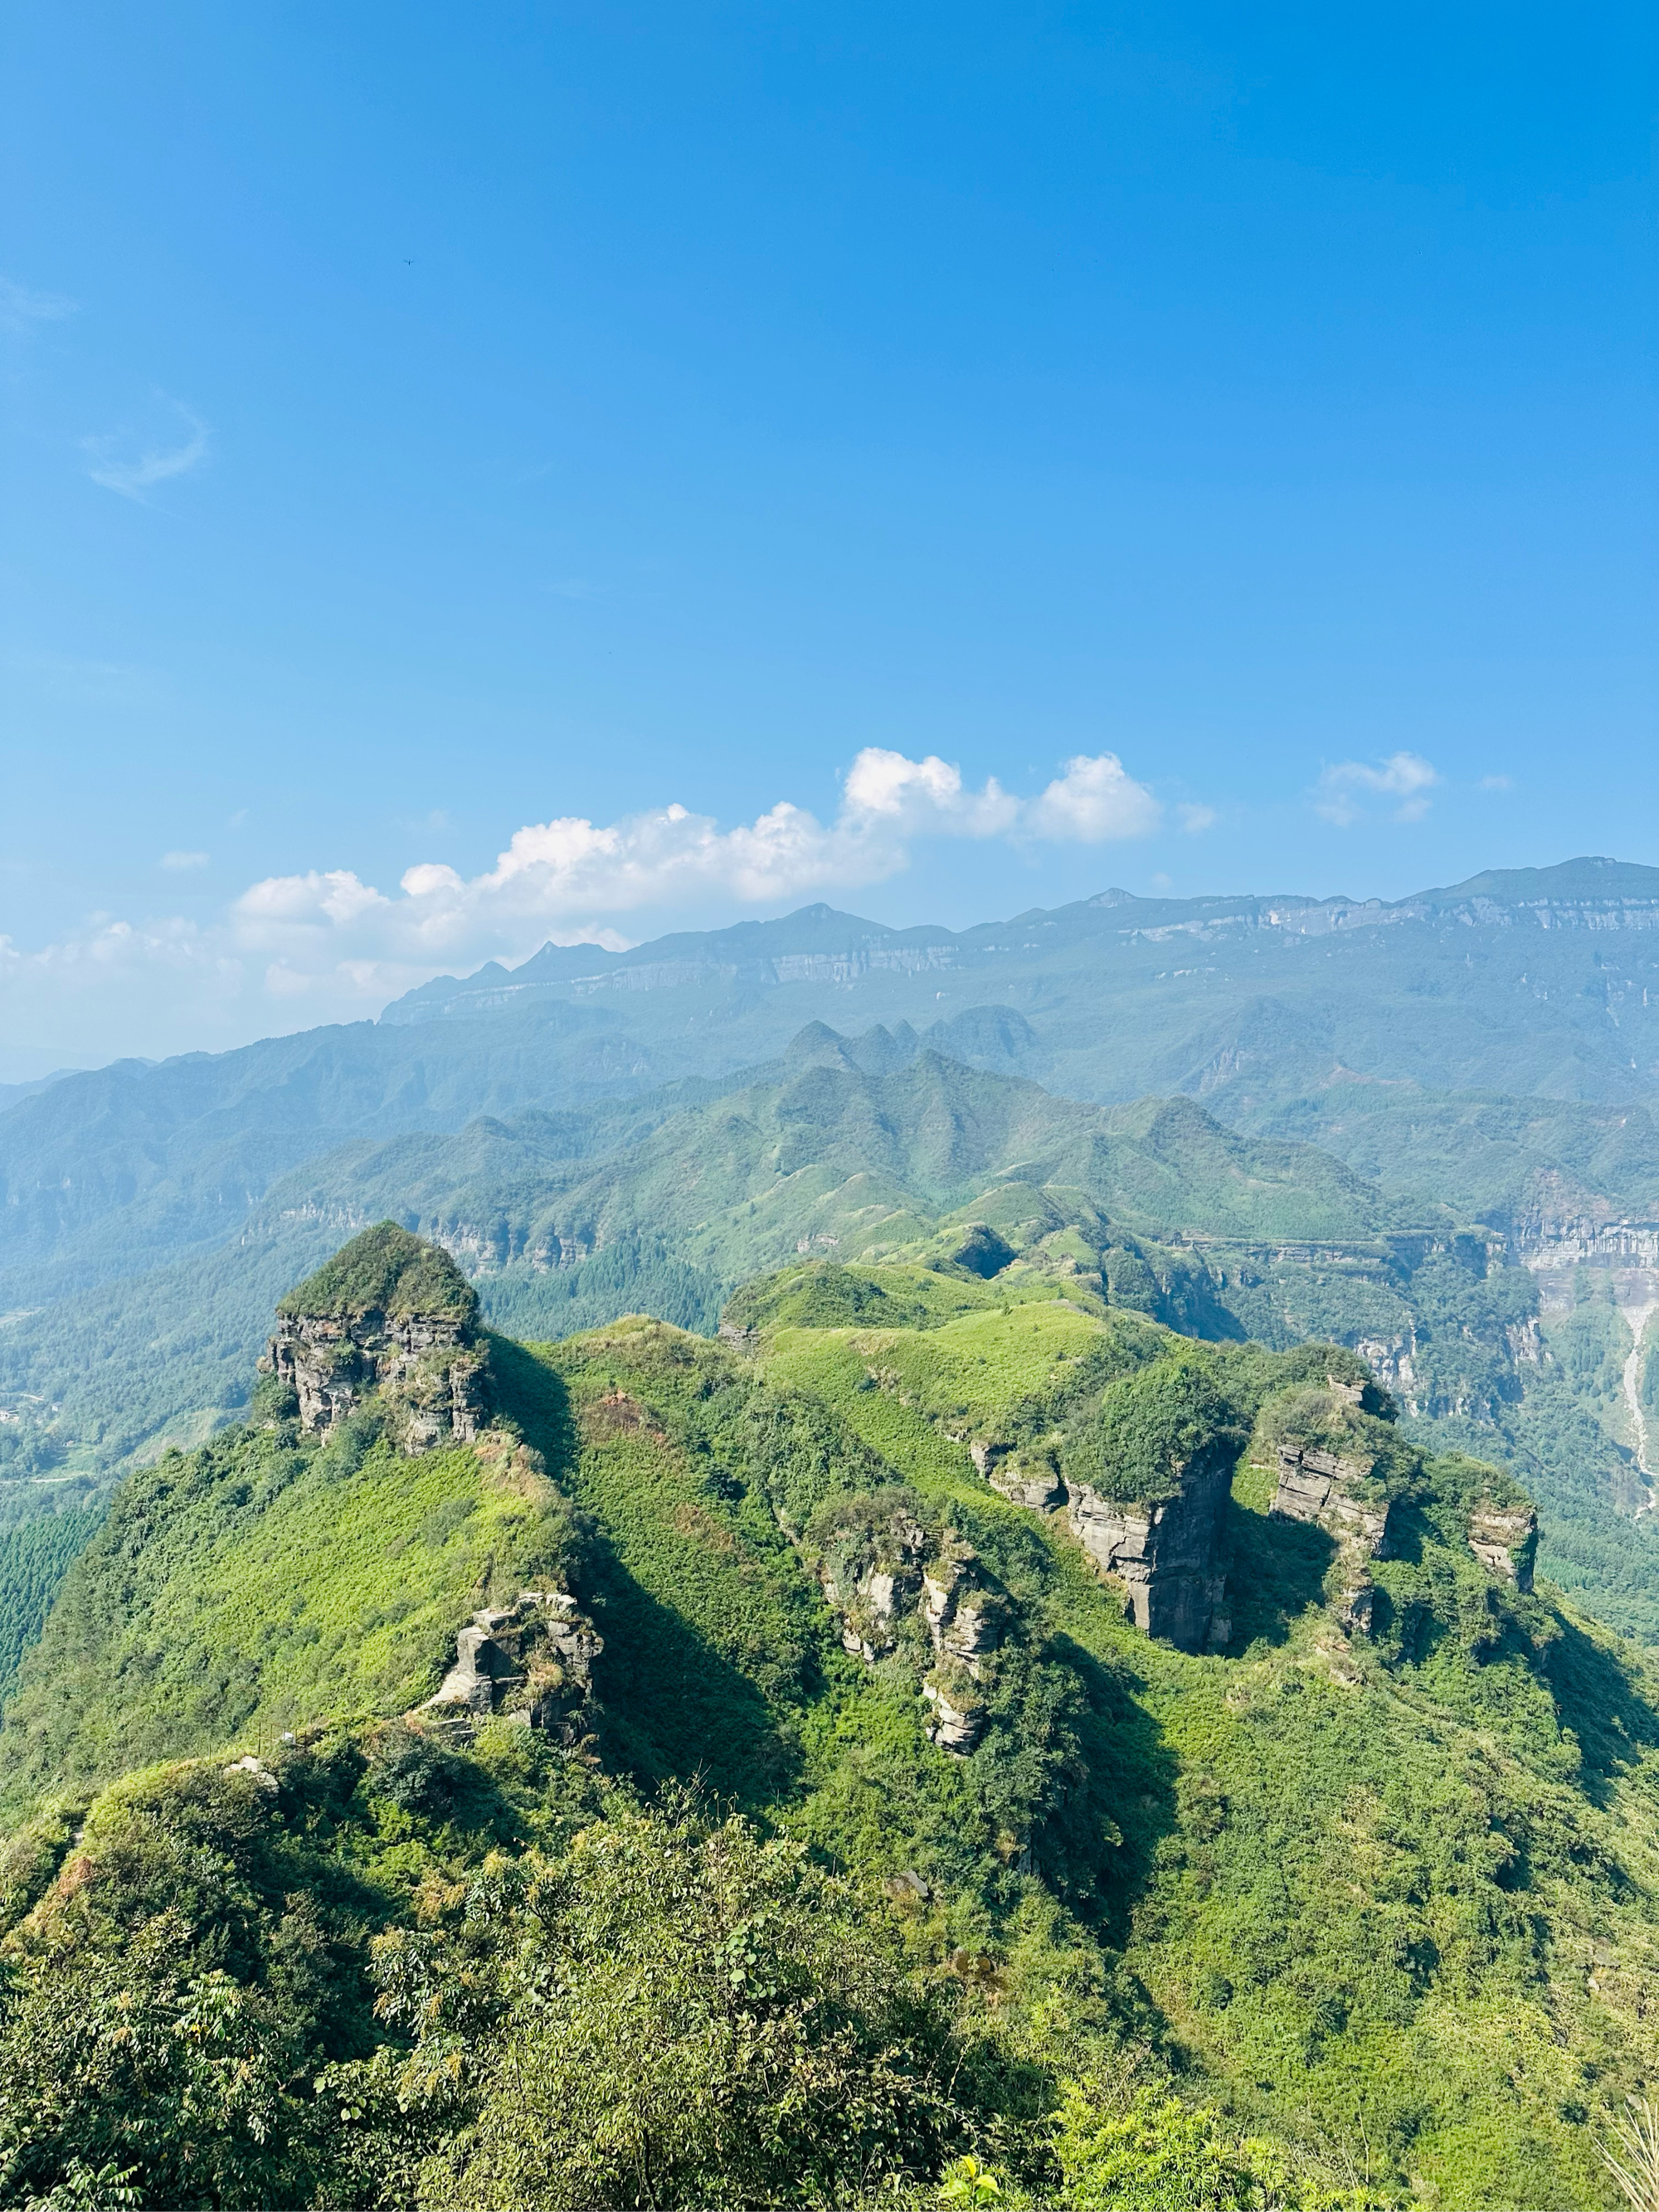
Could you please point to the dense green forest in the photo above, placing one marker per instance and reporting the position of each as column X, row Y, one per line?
column 35, row 1555
column 877, row 1855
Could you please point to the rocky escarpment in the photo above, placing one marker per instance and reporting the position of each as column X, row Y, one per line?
column 1337, row 1493
column 891, row 1580
column 531, row 1661
column 1167, row 1553
column 392, row 1315
column 1326, row 1488
column 1504, row 1537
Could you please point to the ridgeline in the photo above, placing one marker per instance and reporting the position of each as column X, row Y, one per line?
column 949, row 1728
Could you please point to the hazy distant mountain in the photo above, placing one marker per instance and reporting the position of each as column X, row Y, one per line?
column 1292, row 1015
column 1530, row 981
column 593, row 1132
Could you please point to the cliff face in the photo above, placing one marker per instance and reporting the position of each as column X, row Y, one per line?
column 1169, row 1555
column 1331, row 1491
column 391, row 1314
column 1504, row 1539
column 894, row 1572
column 430, row 1368
column 1324, row 1487
column 531, row 1661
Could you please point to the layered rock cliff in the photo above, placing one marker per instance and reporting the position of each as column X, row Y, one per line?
column 1167, row 1554
column 1339, row 1495
column 531, row 1661
column 389, row 1313
column 1143, row 1473
column 1504, row 1537
column 887, row 1576
column 1336, row 1491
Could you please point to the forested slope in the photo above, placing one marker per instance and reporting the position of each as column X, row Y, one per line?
column 1370, row 1878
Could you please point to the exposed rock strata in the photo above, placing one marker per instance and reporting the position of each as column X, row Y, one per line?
column 1324, row 1487
column 885, row 1584
column 964, row 1624
column 908, row 1574
column 1167, row 1553
column 1025, row 1478
column 1327, row 1490
column 431, row 1369
column 1504, row 1539
column 531, row 1661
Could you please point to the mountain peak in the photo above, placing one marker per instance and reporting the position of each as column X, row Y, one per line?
column 386, row 1270
column 392, row 1317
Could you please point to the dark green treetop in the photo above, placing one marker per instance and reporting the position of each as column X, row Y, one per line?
column 386, row 1270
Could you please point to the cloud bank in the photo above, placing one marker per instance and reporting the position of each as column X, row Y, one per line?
column 342, row 946
column 573, row 879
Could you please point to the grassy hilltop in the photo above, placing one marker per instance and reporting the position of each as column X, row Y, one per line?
column 1332, row 1913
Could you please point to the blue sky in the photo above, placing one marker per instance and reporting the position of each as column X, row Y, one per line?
column 424, row 426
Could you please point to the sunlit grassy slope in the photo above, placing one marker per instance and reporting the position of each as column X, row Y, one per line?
column 261, row 1582
column 1358, row 1890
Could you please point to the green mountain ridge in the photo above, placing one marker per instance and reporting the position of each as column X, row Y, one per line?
column 876, row 1146
column 1525, row 983
column 1355, row 1907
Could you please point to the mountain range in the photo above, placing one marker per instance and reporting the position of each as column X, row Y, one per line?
column 1424, row 1127
column 859, row 1566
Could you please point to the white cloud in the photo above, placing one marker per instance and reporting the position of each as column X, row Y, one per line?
column 20, row 310
column 325, row 944
column 1195, row 818
column 1093, row 801
column 888, row 789
column 1344, row 789
column 112, row 462
column 1498, row 783
column 561, row 877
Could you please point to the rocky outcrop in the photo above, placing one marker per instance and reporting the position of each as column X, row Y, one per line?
column 964, row 1624
column 431, row 1369
column 899, row 1574
column 1322, row 1486
column 1029, row 1478
column 531, row 1661
column 1333, row 1492
column 391, row 1313
column 880, row 1583
column 1504, row 1539
column 1167, row 1553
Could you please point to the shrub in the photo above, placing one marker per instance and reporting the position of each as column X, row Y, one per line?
column 676, row 2012
column 1145, row 1428
column 1156, row 2155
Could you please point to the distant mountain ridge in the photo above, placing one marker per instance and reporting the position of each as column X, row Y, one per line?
column 819, row 944
column 1462, row 1078
column 1348, row 1023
